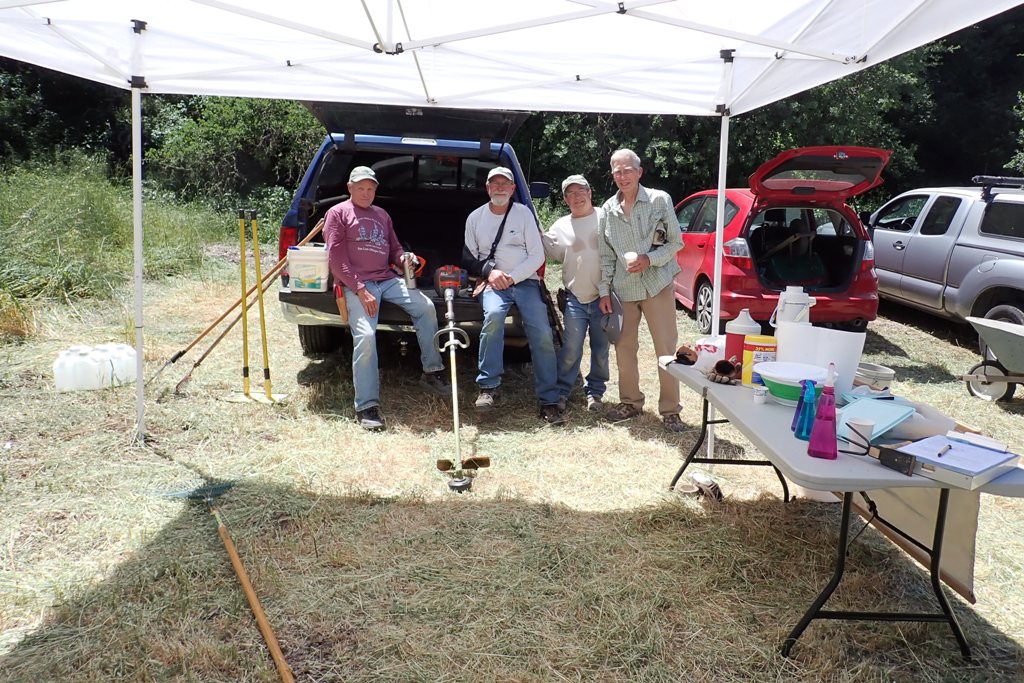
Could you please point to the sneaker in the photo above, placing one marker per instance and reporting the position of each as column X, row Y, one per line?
column 553, row 414
column 594, row 404
column 436, row 383
column 673, row 423
column 622, row 411
column 487, row 399
column 370, row 419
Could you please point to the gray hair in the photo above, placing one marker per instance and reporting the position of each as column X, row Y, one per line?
column 629, row 154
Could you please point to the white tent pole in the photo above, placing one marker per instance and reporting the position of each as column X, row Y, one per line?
column 140, row 384
column 723, row 155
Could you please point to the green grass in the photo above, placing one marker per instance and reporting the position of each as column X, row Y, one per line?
column 67, row 233
column 569, row 560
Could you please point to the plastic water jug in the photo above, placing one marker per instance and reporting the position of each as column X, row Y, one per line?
column 794, row 306
column 82, row 368
column 736, row 330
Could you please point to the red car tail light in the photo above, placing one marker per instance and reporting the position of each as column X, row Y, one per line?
column 868, row 262
column 738, row 252
column 288, row 237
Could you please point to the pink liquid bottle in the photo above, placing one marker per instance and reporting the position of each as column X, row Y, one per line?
column 823, row 434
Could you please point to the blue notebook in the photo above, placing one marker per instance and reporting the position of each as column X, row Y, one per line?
column 885, row 415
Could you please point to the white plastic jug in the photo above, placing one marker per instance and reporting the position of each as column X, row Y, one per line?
column 794, row 306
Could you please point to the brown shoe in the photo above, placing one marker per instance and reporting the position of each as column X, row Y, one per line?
column 673, row 423
column 622, row 411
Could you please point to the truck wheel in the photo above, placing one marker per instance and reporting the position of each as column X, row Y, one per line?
column 994, row 389
column 320, row 340
column 1006, row 312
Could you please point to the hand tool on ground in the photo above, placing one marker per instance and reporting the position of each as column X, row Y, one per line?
column 245, row 314
column 207, row 493
column 448, row 281
column 266, row 281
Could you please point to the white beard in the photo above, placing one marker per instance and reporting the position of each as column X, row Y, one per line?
column 498, row 200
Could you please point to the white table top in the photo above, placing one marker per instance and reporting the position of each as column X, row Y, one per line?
column 767, row 427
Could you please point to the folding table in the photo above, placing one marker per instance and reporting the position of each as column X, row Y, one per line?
column 767, row 426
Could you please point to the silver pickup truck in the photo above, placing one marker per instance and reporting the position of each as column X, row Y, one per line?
column 954, row 251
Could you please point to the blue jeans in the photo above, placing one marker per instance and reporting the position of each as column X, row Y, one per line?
column 579, row 319
column 365, row 373
column 534, row 314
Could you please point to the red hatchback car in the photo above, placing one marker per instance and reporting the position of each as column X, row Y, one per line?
column 791, row 227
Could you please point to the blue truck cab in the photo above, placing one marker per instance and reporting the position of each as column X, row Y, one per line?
column 431, row 167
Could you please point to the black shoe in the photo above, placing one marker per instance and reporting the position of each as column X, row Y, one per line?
column 487, row 399
column 435, row 383
column 553, row 414
column 370, row 419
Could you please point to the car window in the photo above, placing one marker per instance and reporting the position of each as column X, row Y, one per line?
column 901, row 214
column 940, row 215
column 688, row 212
column 709, row 215
column 1003, row 219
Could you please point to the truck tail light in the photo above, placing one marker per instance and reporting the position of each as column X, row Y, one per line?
column 288, row 237
column 738, row 252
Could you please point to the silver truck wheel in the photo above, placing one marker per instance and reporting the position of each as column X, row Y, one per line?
column 1006, row 312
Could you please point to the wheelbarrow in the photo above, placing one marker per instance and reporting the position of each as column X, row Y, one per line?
column 996, row 378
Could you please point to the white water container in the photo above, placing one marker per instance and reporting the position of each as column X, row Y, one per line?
column 307, row 269
column 82, row 368
column 120, row 358
column 79, row 369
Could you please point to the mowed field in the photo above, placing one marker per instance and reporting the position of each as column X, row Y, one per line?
column 570, row 560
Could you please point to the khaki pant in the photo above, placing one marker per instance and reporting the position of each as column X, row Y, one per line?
column 660, row 313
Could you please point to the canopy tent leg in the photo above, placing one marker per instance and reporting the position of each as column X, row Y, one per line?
column 140, row 384
column 723, row 155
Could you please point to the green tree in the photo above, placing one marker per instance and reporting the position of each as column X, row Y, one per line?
column 1017, row 162
column 214, row 146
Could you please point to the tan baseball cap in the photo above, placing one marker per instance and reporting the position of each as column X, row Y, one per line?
column 502, row 171
column 574, row 180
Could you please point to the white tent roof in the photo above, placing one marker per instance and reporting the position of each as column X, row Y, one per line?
column 645, row 56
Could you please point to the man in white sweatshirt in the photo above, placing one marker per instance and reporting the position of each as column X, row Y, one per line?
column 572, row 240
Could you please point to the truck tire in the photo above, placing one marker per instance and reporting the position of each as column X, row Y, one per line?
column 318, row 341
column 1007, row 312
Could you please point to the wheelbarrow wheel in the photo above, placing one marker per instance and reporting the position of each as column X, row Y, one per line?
column 994, row 389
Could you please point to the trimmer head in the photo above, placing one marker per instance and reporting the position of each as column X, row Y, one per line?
column 474, row 463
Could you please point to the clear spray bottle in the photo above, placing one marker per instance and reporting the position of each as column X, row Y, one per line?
column 823, row 434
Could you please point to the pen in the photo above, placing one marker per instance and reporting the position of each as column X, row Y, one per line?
column 942, row 451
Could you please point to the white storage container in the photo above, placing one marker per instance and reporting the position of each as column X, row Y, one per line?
column 307, row 269
column 81, row 368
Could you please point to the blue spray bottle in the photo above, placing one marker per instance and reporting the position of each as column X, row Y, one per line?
column 823, row 434
column 803, row 418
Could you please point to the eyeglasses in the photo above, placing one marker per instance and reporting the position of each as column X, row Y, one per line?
column 629, row 170
column 576, row 193
column 499, row 184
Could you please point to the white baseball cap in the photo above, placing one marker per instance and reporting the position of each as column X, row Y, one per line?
column 574, row 180
column 502, row 171
column 362, row 173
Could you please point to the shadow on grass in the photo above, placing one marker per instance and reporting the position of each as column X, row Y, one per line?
column 957, row 333
column 363, row 588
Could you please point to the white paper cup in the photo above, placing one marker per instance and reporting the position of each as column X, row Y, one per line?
column 859, row 431
column 630, row 256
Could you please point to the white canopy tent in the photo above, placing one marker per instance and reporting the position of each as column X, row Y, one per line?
column 636, row 56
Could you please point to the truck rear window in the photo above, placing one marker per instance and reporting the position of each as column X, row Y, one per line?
column 1003, row 219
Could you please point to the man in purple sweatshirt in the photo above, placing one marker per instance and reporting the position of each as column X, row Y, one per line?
column 362, row 247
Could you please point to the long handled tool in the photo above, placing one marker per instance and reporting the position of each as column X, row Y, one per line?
column 245, row 315
column 448, row 280
column 268, row 395
column 207, row 494
column 264, row 283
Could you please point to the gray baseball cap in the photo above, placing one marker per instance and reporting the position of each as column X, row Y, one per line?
column 362, row 173
column 611, row 323
column 574, row 180
column 502, row 171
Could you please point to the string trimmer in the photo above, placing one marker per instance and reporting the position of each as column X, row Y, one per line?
column 448, row 282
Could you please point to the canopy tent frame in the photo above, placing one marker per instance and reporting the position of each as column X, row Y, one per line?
column 634, row 56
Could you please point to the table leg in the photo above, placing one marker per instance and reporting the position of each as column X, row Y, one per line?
column 691, row 457
column 815, row 611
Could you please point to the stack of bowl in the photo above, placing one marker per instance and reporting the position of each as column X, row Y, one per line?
column 783, row 379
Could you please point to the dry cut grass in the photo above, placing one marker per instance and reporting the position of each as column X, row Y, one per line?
column 569, row 561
